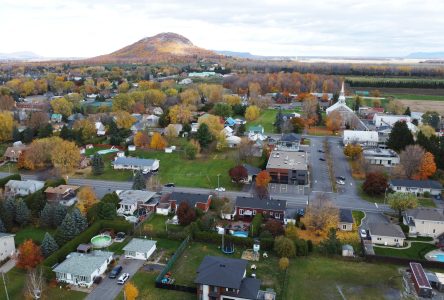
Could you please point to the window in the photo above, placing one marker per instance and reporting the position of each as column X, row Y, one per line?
column 241, row 212
column 398, row 188
column 396, row 240
column 254, row 212
column 434, row 230
column 378, row 239
column 344, row 226
column 271, row 213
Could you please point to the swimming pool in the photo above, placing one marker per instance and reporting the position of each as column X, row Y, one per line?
column 106, row 151
column 439, row 257
column 242, row 234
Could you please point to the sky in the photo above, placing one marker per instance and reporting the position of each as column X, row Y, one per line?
column 87, row 28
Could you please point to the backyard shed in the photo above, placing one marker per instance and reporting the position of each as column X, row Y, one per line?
column 140, row 249
column 347, row 250
column 420, row 281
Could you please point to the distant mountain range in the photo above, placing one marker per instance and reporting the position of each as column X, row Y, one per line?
column 426, row 55
column 22, row 55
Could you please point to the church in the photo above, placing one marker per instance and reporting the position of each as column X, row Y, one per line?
column 349, row 118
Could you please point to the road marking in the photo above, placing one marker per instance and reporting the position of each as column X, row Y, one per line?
column 376, row 205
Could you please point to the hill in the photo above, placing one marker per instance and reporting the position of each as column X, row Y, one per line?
column 23, row 55
column 426, row 55
column 163, row 47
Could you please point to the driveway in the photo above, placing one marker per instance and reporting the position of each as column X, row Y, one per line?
column 108, row 288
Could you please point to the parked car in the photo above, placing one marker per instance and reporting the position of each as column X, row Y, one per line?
column 322, row 159
column 340, row 182
column 97, row 279
column 220, row 189
column 123, row 278
column 341, row 178
column 321, row 151
column 363, row 233
column 169, row 185
column 438, row 197
column 115, row 272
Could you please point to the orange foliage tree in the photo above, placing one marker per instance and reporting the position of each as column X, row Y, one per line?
column 141, row 139
column 158, row 142
column 263, row 179
column 427, row 167
column 334, row 121
column 29, row 255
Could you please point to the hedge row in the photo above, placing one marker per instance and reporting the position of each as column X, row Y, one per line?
column 215, row 238
column 5, row 180
column 85, row 237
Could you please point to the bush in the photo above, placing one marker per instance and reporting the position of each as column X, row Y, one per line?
column 284, row 247
column 301, row 247
column 54, row 182
column 310, row 246
column 255, row 225
column 405, row 228
column 5, row 180
column 427, row 194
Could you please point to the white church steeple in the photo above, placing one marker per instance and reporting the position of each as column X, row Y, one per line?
column 341, row 98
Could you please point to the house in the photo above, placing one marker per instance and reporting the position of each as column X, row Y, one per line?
column 259, row 129
column 80, row 269
column 424, row 221
column 152, row 121
column 248, row 207
column 383, row 157
column 56, row 118
column 420, row 281
column 221, row 278
column 194, row 127
column 233, row 141
column 389, row 120
column 361, row 137
column 186, row 81
column 163, row 208
column 387, row 234
column 252, row 172
column 289, row 142
column 100, row 128
column 417, row 187
column 13, row 153
column 134, row 163
column 345, row 220
column 201, row 201
column 139, row 249
column 228, row 131
column 131, row 148
column 133, row 200
column 22, row 188
column 63, row 194
column 289, row 167
column 7, row 245
column 157, row 111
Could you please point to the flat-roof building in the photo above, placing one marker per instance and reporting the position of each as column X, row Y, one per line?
column 289, row 167
column 383, row 157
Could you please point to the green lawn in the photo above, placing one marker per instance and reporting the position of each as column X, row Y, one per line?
column 427, row 202
column 30, row 232
column 267, row 119
column 184, row 269
column 417, row 97
column 416, row 251
column 15, row 280
column 358, row 216
column 373, row 199
column 320, row 277
column 9, row 167
column 117, row 247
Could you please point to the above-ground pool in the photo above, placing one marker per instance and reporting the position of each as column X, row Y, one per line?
column 101, row 241
column 243, row 234
column 106, row 151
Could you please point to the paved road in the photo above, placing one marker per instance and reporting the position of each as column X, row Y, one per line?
column 108, row 288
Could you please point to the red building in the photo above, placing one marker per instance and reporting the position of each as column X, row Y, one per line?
column 247, row 207
column 420, row 281
column 201, row 201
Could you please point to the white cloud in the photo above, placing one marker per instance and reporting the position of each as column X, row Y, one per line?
column 82, row 28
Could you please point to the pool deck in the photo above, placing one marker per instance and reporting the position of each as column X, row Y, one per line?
column 432, row 255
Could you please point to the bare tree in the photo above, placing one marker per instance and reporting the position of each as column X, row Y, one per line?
column 153, row 184
column 309, row 107
column 245, row 149
column 35, row 283
column 411, row 159
column 321, row 214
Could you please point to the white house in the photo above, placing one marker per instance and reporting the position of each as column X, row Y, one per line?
column 387, row 234
column 134, row 163
column 194, row 127
column 140, row 249
column 424, row 221
column 80, row 269
column 100, row 128
column 364, row 138
column 157, row 111
column 389, row 120
column 417, row 187
column 228, row 131
column 163, row 208
column 233, row 141
column 132, row 200
column 383, row 157
column 7, row 245
column 22, row 188
column 152, row 120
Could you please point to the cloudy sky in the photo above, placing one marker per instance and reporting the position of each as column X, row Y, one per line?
column 84, row 28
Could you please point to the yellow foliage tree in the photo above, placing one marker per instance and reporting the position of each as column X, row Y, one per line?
column 65, row 157
column 141, row 139
column 86, row 198
column 88, row 128
column 6, row 126
column 62, row 106
column 123, row 87
column 252, row 113
column 171, row 132
column 213, row 122
column 180, row 114
column 158, row 142
column 189, row 97
column 334, row 121
column 124, row 119
column 284, row 263
column 232, row 99
column 124, row 102
column 321, row 215
column 131, row 291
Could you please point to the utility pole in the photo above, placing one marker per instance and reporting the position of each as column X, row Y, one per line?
column 218, row 186
column 4, row 282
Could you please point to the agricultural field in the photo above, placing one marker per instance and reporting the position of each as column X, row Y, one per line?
column 395, row 82
column 425, row 105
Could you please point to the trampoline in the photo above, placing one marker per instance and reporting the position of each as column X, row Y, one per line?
column 228, row 248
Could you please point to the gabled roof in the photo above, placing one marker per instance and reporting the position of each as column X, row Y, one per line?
column 25, row 184
column 426, row 214
column 190, row 198
column 221, row 272
column 61, row 189
column 433, row 184
column 83, row 264
column 268, row 204
column 230, row 121
column 251, row 170
column 345, row 216
column 134, row 161
column 386, row 229
column 135, row 196
column 140, row 245
column 291, row 137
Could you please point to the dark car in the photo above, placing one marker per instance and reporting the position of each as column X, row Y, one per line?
column 169, row 185
column 341, row 178
column 115, row 272
column 322, row 159
column 97, row 279
column 320, row 151
column 438, row 197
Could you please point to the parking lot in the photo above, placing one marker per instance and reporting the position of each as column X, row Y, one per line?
column 319, row 170
column 281, row 188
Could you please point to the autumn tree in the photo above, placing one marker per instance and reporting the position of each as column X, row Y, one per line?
column 154, row 97
column 274, row 227
column 158, row 142
column 6, row 126
column 37, row 120
column 284, row 247
column 189, row 97
column 284, row 263
column 395, row 107
column 334, row 121
column 427, row 130
column 321, row 215
column 86, row 128
column 124, row 119
column 6, row 102
column 231, row 99
column 180, row 113
column 65, row 157
column 131, row 292
column 400, row 137
column 354, row 151
column 185, row 213
column 401, row 202
column 141, row 139
column 171, row 131
column 214, row 123
column 375, row 183
column 62, row 106
column 123, row 102
column 86, row 198
column 427, row 167
column 29, row 255
column 263, row 179
column 298, row 124
column 252, row 113
column 309, row 108
column 411, row 159
column 238, row 174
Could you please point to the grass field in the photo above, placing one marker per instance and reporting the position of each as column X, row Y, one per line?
column 321, row 277
column 9, row 167
column 427, row 202
column 30, row 232
column 358, row 216
column 416, row 251
column 267, row 119
column 416, row 97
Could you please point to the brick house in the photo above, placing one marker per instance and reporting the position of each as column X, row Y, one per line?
column 63, row 193
column 201, row 201
column 247, row 207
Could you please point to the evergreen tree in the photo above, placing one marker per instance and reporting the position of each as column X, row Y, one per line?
column 66, row 231
column 60, row 212
column 8, row 213
column 400, row 137
column 36, row 202
column 22, row 213
column 204, row 135
column 97, row 164
column 47, row 215
column 331, row 245
column 407, row 111
column 49, row 245
column 66, row 133
column 319, row 115
column 278, row 121
column 45, row 131
column 107, row 211
column 16, row 135
column 186, row 128
column 111, row 198
column 241, row 130
column 79, row 220
column 28, row 135
column 139, row 181
column 2, row 226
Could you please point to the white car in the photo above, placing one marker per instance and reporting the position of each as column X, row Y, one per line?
column 220, row 189
column 123, row 278
column 363, row 233
column 340, row 182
